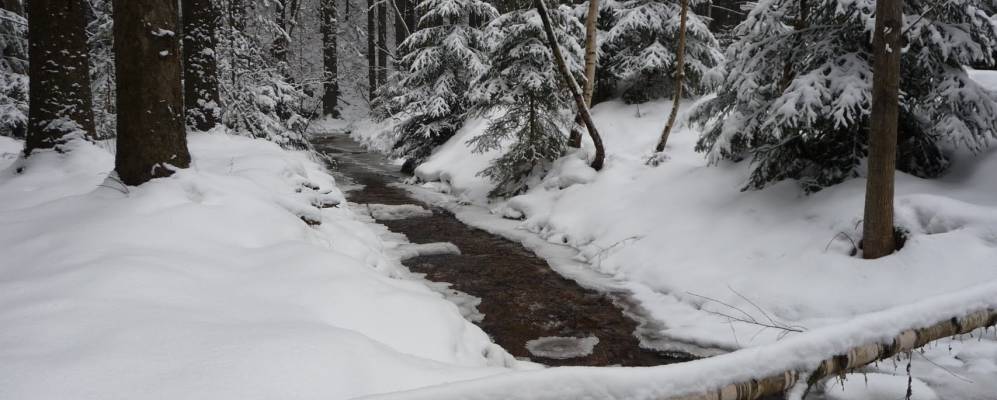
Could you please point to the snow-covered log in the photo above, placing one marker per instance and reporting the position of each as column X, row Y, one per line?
column 857, row 357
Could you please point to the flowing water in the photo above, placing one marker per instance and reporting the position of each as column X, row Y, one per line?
column 526, row 305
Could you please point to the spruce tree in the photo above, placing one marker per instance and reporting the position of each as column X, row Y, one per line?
column 796, row 99
column 60, row 99
column 641, row 48
column 200, row 40
column 524, row 92
column 13, row 70
column 439, row 62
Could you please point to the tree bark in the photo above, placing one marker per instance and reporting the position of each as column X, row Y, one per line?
column 330, row 81
column 201, row 98
column 679, row 79
column 878, row 235
column 576, row 92
column 14, row 6
column 60, row 104
column 402, row 29
column 151, row 137
column 371, row 51
column 788, row 74
column 382, row 42
column 851, row 360
column 591, row 49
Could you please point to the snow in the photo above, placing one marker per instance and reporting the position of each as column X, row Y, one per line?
column 207, row 284
column 561, row 348
column 877, row 387
column 694, row 253
column 412, row 250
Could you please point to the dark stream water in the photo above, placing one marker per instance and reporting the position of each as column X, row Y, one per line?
column 522, row 298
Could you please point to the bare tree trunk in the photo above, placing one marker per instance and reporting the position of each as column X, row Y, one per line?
column 591, row 49
column 591, row 52
column 13, row 6
column 878, row 236
column 371, row 51
column 402, row 29
column 60, row 103
column 201, row 98
column 576, row 92
column 151, row 137
column 851, row 360
column 382, row 43
column 679, row 80
column 330, row 83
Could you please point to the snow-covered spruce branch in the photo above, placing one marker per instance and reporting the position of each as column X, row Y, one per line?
column 857, row 357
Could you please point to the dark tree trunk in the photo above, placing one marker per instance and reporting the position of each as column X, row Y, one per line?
column 679, row 79
column 14, row 6
column 371, row 51
column 878, row 235
column 330, row 96
column 200, row 26
column 412, row 16
column 60, row 104
column 402, row 29
column 382, row 43
column 151, row 137
column 576, row 92
column 280, row 45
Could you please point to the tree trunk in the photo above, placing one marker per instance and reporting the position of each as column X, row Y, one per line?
column 382, row 43
column 151, row 137
column 851, row 360
column 788, row 74
column 679, row 80
column 402, row 30
column 371, row 51
column 60, row 104
column 412, row 16
column 576, row 92
column 591, row 53
column 281, row 43
column 591, row 49
column 330, row 81
column 201, row 99
column 878, row 236
column 13, row 6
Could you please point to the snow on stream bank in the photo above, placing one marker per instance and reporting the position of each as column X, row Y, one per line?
column 208, row 284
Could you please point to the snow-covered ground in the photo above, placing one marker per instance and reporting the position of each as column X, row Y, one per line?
column 209, row 284
column 714, row 264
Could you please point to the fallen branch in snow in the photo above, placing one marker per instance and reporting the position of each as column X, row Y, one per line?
column 855, row 358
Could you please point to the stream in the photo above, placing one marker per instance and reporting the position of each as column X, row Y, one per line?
column 529, row 309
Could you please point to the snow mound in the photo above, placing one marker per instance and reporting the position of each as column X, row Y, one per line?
column 208, row 284
column 561, row 347
column 407, row 251
column 386, row 212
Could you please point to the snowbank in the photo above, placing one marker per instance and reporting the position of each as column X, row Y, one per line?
column 209, row 284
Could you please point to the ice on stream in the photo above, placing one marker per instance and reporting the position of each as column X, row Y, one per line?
column 386, row 212
column 561, row 348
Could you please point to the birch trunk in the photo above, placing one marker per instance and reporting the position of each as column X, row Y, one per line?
column 576, row 92
column 857, row 357
column 679, row 79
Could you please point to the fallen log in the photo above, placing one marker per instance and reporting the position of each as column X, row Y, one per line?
column 855, row 358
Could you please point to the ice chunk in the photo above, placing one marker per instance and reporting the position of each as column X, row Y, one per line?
column 561, row 348
column 386, row 212
column 413, row 250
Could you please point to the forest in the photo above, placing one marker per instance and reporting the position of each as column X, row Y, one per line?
column 498, row 199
